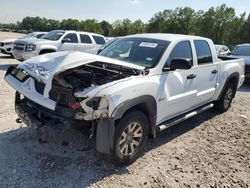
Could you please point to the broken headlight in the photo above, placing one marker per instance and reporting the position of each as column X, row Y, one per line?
column 98, row 103
column 94, row 102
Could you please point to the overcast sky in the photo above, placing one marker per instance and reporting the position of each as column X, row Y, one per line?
column 110, row 10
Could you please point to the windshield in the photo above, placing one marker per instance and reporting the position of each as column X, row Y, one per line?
column 53, row 35
column 242, row 51
column 30, row 35
column 140, row 51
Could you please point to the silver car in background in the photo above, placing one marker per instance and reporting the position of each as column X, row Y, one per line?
column 243, row 51
column 222, row 50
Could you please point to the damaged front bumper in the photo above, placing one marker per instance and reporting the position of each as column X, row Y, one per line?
column 45, row 121
column 36, row 116
column 44, row 114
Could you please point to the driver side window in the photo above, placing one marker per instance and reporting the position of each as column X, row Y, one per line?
column 181, row 51
column 73, row 38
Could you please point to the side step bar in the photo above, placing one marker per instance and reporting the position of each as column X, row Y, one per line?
column 183, row 117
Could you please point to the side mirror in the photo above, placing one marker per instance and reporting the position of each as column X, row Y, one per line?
column 180, row 63
column 66, row 40
column 99, row 50
column 229, row 53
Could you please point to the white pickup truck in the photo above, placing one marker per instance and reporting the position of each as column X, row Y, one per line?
column 58, row 40
column 137, row 86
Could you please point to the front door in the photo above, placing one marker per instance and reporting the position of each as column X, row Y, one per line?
column 178, row 88
column 70, row 44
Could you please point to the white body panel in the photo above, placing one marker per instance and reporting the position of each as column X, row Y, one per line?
column 173, row 92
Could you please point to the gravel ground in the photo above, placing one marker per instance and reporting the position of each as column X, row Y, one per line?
column 209, row 150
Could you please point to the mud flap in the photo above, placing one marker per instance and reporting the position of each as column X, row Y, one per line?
column 105, row 136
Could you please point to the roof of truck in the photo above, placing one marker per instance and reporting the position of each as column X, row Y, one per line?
column 245, row 44
column 167, row 36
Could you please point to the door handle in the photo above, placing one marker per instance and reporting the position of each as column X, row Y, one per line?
column 214, row 71
column 191, row 76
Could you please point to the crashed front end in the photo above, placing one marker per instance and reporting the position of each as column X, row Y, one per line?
column 48, row 99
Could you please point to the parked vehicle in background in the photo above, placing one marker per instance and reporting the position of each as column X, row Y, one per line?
column 109, row 38
column 110, row 41
column 58, row 40
column 7, row 45
column 137, row 86
column 222, row 50
column 243, row 51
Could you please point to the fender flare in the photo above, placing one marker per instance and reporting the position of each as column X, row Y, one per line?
column 149, row 105
column 106, row 128
column 237, row 76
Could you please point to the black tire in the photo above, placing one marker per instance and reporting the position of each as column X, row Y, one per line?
column 137, row 122
column 226, row 99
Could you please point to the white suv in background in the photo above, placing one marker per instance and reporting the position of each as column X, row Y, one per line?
column 7, row 45
column 58, row 40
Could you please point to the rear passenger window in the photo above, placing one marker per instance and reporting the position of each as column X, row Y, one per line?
column 99, row 40
column 182, row 50
column 203, row 51
column 85, row 39
column 73, row 37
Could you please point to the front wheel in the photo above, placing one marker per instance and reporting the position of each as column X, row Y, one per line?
column 226, row 99
column 131, row 136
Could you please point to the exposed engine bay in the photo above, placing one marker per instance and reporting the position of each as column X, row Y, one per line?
column 67, row 84
column 92, row 74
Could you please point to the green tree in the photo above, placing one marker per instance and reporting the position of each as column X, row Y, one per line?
column 91, row 25
column 216, row 24
column 244, row 34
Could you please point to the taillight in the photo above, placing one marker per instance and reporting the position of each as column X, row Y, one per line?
column 75, row 105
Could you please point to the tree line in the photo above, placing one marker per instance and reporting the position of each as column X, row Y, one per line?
column 221, row 24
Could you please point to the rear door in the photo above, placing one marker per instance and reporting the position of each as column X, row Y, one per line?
column 178, row 88
column 87, row 44
column 207, row 72
column 99, row 40
column 71, row 45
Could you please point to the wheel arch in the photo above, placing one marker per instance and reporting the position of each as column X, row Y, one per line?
column 233, row 78
column 47, row 50
column 147, row 104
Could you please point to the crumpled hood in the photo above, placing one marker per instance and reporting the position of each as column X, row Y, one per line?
column 45, row 67
column 61, row 61
column 246, row 58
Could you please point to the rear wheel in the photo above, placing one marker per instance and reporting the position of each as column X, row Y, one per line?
column 130, row 138
column 226, row 99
